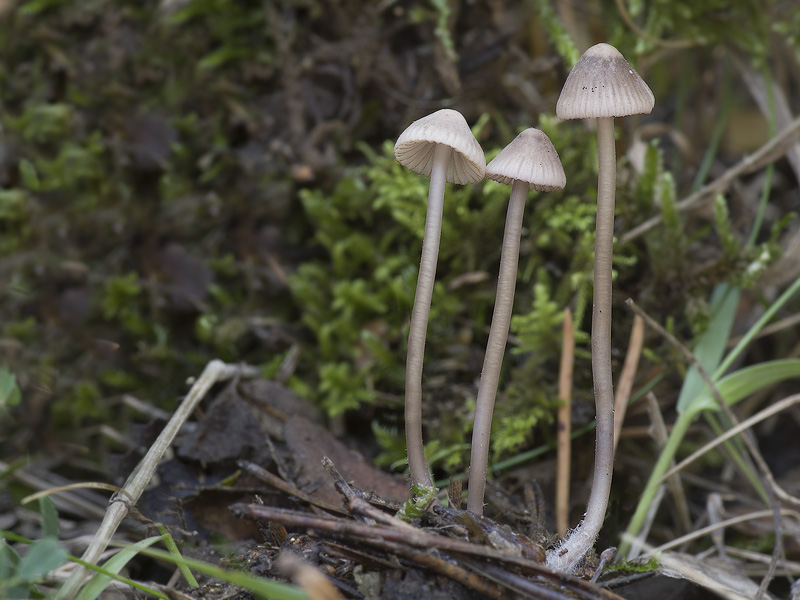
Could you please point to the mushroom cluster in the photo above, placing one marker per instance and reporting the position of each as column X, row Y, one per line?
column 602, row 86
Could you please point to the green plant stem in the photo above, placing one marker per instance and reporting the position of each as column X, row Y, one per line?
column 495, row 347
column 679, row 429
column 417, row 464
column 566, row 556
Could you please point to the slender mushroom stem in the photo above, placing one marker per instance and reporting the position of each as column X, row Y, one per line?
column 601, row 327
column 582, row 539
column 417, row 464
column 495, row 348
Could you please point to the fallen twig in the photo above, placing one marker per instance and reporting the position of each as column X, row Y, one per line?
column 772, row 150
column 215, row 371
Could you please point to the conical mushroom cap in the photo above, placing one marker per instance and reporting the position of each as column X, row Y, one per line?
column 530, row 157
column 603, row 84
column 415, row 146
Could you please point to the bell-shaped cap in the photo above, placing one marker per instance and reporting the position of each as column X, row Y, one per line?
column 603, row 84
column 415, row 146
column 532, row 158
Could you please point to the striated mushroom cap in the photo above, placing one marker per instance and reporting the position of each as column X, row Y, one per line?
column 603, row 84
column 415, row 146
column 530, row 157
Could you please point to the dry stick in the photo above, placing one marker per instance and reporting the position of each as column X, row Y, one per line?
column 564, row 423
column 792, row 567
column 449, row 570
column 215, row 371
column 763, row 468
column 288, row 488
column 86, row 505
column 625, row 383
column 771, row 102
column 746, row 424
column 380, row 535
column 769, row 152
column 535, row 590
column 658, row 431
column 358, row 505
column 674, row 483
column 759, row 514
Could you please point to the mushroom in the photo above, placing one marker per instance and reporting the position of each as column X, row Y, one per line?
column 529, row 162
column 440, row 146
column 601, row 85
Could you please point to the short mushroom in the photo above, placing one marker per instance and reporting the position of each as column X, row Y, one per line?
column 440, row 146
column 529, row 162
column 601, row 85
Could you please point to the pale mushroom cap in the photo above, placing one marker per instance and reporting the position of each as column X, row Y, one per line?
column 415, row 146
column 603, row 84
column 530, row 157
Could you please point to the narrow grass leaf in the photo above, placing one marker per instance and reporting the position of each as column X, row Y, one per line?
column 114, row 565
column 746, row 381
column 261, row 587
column 710, row 344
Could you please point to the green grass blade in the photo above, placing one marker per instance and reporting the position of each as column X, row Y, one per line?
column 711, row 344
column 261, row 587
column 114, row 565
column 746, row 381
column 172, row 548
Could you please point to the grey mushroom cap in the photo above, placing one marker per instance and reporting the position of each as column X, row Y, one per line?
column 603, row 84
column 415, row 146
column 532, row 158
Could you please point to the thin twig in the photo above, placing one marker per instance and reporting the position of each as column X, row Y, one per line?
column 625, row 383
column 215, row 371
column 769, row 152
column 288, row 488
column 674, row 484
column 698, row 533
column 746, row 424
column 358, row 505
column 749, row 441
column 387, row 537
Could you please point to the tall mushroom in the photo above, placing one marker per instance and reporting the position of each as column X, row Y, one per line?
column 602, row 85
column 440, row 146
column 529, row 162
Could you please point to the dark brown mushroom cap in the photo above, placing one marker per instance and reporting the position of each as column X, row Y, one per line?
column 532, row 158
column 415, row 146
column 603, row 84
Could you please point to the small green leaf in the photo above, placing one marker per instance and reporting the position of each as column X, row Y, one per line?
column 9, row 559
column 42, row 557
column 30, row 178
column 9, row 390
column 49, row 517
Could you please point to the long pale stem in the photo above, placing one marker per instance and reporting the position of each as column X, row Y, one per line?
column 419, row 318
column 583, row 537
column 495, row 348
